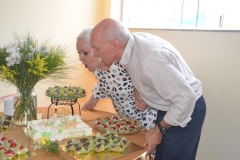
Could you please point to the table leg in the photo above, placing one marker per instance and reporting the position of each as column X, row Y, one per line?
column 79, row 108
column 72, row 109
column 48, row 110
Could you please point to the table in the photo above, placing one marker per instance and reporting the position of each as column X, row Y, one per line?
column 17, row 133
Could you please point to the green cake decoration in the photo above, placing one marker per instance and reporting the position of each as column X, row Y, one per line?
column 97, row 143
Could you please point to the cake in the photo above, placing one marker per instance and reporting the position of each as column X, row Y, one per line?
column 57, row 129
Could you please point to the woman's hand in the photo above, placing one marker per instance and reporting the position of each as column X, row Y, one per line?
column 90, row 104
column 139, row 103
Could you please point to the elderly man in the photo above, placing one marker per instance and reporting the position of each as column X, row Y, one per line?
column 164, row 82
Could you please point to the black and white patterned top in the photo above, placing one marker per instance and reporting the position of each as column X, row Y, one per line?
column 116, row 84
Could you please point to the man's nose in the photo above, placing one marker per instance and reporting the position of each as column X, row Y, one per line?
column 95, row 52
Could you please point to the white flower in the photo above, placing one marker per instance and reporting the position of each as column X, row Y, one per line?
column 22, row 43
column 14, row 59
column 12, row 48
column 14, row 55
column 30, row 56
column 42, row 51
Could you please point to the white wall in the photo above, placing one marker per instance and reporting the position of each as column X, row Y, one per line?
column 60, row 20
column 214, row 58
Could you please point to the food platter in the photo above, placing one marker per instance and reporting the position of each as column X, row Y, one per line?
column 105, row 155
column 13, row 150
column 109, row 146
column 25, row 156
column 65, row 92
column 117, row 123
column 5, row 123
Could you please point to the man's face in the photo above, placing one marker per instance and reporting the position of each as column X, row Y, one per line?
column 102, row 50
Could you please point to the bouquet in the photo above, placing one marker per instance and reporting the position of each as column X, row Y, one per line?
column 50, row 146
column 24, row 62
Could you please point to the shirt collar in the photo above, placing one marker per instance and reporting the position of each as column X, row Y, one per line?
column 125, row 60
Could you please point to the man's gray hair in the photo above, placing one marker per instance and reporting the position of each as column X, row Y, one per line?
column 85, row 34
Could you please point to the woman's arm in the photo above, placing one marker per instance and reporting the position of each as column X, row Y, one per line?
column 90, row 104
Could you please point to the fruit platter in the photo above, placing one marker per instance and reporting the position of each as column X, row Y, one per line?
column 106, row 146
column 65, row 92
column 117, row 123
column 5, row 123
column 12, row 150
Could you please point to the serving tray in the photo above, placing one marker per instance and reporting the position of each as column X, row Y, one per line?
column 11, row 145
column 106, row 154
column 117, row 123
column 25, row 156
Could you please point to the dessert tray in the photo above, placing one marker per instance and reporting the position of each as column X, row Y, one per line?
column 5, row 123
column 66, row 95
column 109, row 146
column 65, row 92
column 117, row 123
column 12, row 150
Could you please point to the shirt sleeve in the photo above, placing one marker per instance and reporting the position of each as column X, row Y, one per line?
column 172, row 86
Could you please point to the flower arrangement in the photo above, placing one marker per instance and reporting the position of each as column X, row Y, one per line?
column 25, row 62
column 50, row 146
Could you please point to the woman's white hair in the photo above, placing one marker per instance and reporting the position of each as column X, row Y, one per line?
column 85, row 34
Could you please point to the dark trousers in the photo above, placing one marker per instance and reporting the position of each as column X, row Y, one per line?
column 182, row 143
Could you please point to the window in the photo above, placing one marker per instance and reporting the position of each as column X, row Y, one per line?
column 185, row 14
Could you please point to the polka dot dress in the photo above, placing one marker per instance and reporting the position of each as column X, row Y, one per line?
column 116, row 84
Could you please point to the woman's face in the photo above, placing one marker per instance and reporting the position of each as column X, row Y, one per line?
column 86, row 55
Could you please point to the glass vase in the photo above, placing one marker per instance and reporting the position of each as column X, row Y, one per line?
column 25, row 107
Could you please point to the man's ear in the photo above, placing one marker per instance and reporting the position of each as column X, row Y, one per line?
column 114, row 44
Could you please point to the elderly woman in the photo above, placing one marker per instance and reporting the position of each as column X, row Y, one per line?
column 113, row 82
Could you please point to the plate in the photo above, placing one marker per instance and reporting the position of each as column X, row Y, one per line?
column 117, row 123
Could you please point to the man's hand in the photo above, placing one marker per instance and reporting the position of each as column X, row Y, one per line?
column 153, row 138
column 139, row 103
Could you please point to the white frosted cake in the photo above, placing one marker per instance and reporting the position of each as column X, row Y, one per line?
column 71, row 126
